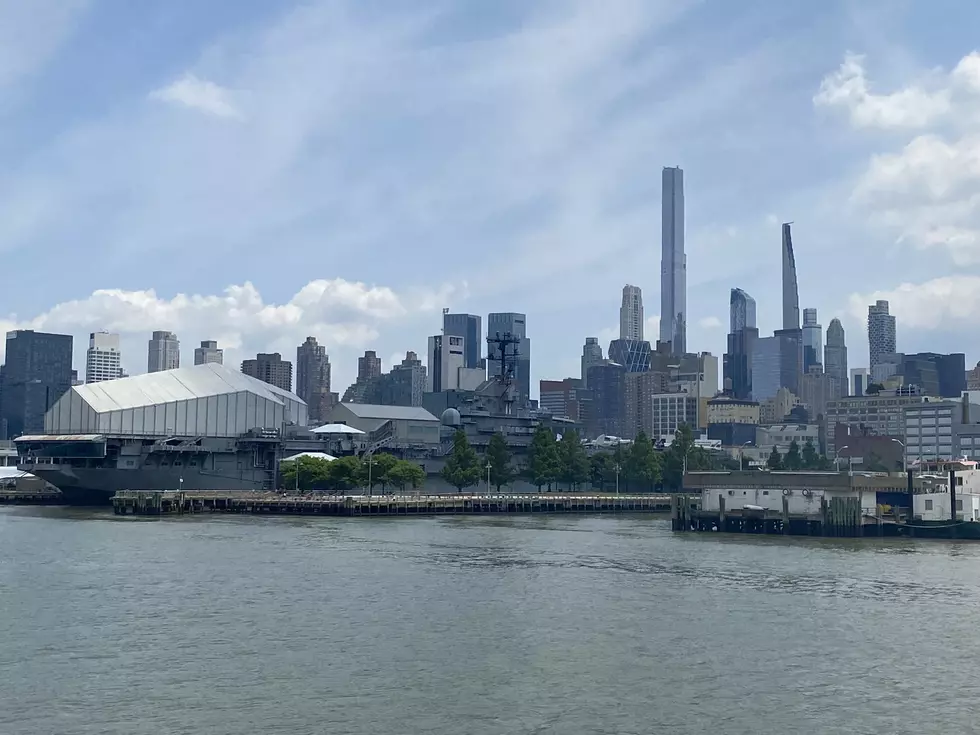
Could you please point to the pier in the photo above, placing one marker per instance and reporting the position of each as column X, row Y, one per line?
column 30, row 497
column 173, row 503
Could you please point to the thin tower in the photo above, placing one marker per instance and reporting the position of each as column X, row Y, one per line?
column 673, row 264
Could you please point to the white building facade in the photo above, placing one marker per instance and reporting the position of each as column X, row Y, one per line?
column 103, row 359
column 631, row 314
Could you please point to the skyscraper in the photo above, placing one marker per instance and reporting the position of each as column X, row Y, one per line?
column 881, row 333
column 741, row 310
column 270, row 368
column 737, row 361
column 516, row 325
column 812, row 341
column 447, row 355
column 591, row 355
column 368, row 366
column 673, row 264
column 791, row 293
column 103, row 360
column 469, row 327
column 163, row 352
column 36, row 372
column 631, row 314
column 313, row 380
column 835, row 357
column 208, row 352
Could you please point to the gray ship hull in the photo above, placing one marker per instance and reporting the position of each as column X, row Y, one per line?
column 96, row 486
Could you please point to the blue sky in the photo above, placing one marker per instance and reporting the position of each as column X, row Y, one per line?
column 256, row 172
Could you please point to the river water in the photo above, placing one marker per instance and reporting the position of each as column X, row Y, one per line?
column 465, row 625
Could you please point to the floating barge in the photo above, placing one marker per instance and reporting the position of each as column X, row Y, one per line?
column 170, row 503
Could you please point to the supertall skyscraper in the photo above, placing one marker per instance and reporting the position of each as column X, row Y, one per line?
column 631, row 314
column 743, row 334
column 835, row 356
column 881, row 333
column 673, row 264
column 791, row 292
column 163, row 352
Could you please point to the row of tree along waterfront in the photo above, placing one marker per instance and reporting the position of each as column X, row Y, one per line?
column 551, row 463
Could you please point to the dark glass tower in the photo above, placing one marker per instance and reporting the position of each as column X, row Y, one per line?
column 36, row 373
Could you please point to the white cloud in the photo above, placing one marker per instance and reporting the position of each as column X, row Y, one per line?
column 911, row 107
column 198, row 94
column 950, row 303
column 345, row 316
column 710, row 322
column 927, row 192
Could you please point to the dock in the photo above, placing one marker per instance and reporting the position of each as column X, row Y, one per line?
column 152, row 503
column 30, row 497
column 834, row 517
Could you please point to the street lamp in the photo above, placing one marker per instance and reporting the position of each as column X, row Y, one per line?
column 616, row 468
column 370, row 481
column 489, row 467
column 905, row 459
column 849, row 458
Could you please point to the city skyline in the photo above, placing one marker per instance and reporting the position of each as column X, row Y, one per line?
column 556, row 198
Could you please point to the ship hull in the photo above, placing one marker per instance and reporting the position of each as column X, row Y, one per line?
column 96, row 486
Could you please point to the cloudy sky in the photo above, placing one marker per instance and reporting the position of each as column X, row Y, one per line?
column 258, row 171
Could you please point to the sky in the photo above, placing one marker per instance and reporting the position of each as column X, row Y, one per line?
column 259, row 171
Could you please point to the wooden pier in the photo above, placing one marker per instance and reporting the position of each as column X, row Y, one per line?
column 30, row 497
column 169, row 503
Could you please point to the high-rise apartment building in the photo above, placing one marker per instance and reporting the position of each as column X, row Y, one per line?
column 35, row 374
column 591, row 355
column 469, row 327
column 163, row 352
column 270, row 368
column 812, row 341
column 776, row 363
column 368, row 366
column 208, row 353
column 881, row 334
column 791, row 291
column 631, row 314
column 103, row 359
column 737, row 361
column 313, row 380
column 835, row 357
column 607, row 382
column 673, row 264
column 516, row 325
column 564, row 398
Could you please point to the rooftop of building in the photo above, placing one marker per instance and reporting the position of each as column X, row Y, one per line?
column 391, row 413
column 728, row 401
column 180, row 384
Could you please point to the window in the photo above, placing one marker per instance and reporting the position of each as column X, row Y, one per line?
column 959, row 505
column 928, row 505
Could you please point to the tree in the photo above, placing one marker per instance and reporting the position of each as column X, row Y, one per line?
column 498, row 455
column 678, row 456
column 874, row 463
column 793, row 460
column 462, row 469
column 543, row 460
column 304, row 474
column 811, row 460
column 643, row 466
column 573, row 461
column 601, row 469
column 374, row 470
column 775, row 461
column 344, row 473
column 404, row 473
